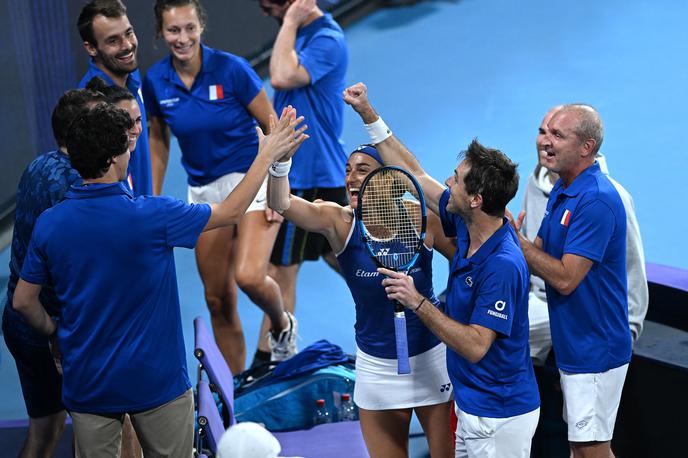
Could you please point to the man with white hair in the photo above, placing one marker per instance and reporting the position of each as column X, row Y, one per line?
column 538, row 189
column 580, row 253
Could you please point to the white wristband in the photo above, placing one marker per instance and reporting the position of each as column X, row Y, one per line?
column 378, row 131
column 280, row 169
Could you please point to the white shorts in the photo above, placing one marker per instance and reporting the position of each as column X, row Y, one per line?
column 218, row 190
column 379, row 387
column 485, row 437
column 540, row 338
column 591, row 402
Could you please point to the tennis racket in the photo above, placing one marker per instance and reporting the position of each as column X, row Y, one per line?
column 392, row 218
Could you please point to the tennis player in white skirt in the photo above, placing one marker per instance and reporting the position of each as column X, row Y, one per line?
column 385, row 399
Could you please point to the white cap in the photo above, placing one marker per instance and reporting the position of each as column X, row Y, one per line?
column 248, row 440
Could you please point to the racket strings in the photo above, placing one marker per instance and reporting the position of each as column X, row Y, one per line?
column 392, row 216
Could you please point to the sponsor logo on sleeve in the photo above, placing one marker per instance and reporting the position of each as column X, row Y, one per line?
column 497, row 312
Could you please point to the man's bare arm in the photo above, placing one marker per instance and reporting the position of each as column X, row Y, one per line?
column 286, row 72
column 26, row 301
column 471, row 341
column 564, row 274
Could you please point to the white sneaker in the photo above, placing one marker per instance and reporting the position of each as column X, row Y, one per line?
column 285, row 345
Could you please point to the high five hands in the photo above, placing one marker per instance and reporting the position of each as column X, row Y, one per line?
column 281, row 144
column 284, row 138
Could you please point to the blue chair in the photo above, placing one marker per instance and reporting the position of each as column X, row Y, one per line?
column 209, row 419
column 213, row 363
column 331, row 440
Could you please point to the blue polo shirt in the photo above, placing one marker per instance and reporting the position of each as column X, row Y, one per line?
column 109, row 256
column 139, row 164
column 216, row 132
column 490, row 289
column 589, row 326
column 322, row 51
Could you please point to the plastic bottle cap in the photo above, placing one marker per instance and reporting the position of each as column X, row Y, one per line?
column 320, row 402
column 346, row 397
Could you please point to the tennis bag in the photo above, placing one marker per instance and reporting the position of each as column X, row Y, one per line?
column 285, row 398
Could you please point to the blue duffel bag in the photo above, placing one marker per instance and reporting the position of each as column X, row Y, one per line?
column 285, row 398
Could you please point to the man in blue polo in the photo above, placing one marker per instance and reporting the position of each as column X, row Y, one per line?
column 580, row 253
column 110, row 42
column 43, row 184
column 485, row 325
column 110, row 258
column 308, row 69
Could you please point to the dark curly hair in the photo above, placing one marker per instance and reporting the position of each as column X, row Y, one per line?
column 492, row 175
column 68, row 107
column 109, row 8
column 114, row 94
column 163, row 5
column 95, row 137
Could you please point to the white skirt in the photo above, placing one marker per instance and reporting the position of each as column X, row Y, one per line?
column 218, row 190
column 379, row 387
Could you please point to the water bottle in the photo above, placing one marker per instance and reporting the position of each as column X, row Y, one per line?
column 321, row 415
column 347, row 409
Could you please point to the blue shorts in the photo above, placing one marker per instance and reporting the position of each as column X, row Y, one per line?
column 40, row 382
column 294, row 245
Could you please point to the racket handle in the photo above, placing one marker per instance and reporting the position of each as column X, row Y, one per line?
column 403, row 365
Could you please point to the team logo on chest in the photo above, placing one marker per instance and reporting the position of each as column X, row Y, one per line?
column 169, row 102
column 565, row 218
column 215, row 92
column 469, row 282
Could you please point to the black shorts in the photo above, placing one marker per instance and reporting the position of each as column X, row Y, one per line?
column 41, row 384
column 294, row 245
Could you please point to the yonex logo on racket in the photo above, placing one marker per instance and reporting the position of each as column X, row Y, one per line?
column 382, row 252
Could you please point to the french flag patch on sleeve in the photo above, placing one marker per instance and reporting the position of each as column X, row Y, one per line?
column 565, row 218
column 215, row 92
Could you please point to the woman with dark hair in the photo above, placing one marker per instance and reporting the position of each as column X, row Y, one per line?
column 124, row 99
column 211, row 100
column 385, row 399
